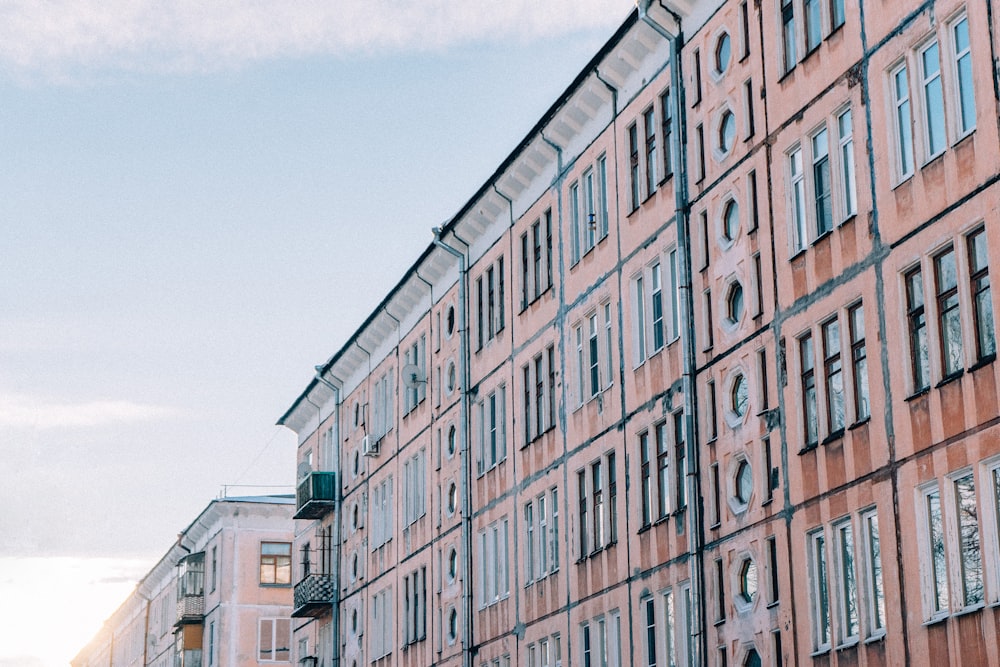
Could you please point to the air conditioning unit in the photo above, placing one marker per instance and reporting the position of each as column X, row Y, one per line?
column 369, row 446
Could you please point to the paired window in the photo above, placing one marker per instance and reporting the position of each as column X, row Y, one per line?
column 829, row 194
column 597, row 485
column 657, row 306
column 666, row 616
column 655, row 462
column 600, row 641
column 490, row 302
column 539, row 381
column 415, row 606
column 594, row 345
column 382, row 510
column 845, row 571
column 382, row 412
column 541, row 521
column 546, row 652
column 415, row 355
column 380, row 638
column 275, row 563
column 274, row 640
column 414, row 488
column 492, row 432
column 951, row 269
column 536, row 259
column 836, row 384
column 589, row 208
column 493, row 578
column 940, row 72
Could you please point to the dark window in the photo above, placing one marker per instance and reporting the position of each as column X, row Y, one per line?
column 649, row 125
column 647, row 480
column 859, row 361
column 834, row 376
column 633, row 152
column 788, row 34
column 810, row 414
column 663, row 469
column 917, row 325
column 949, row 319
column 982, row 301
column 666, row 114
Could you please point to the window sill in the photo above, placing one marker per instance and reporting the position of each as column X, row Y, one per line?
column 849, row 644
column 877, row 637
column 932, row 159
column 971, row 609
column 809, row 448
column 719, row 622
column 276, row 585
column 822, row 237
column 786, row 74
column 918, row 394
column 797, row 253
column 982, row 363
column 961, row 140
column 859, row 423
column 948, row 379
column 767, row 501
column 833, row 437
column 850, row 218
column 940, row 617
column 835, row 30
column 773, row 605
column 715, row 526
column 903, row 178
column 811, row 51
column 820, row 651
column 663, row 180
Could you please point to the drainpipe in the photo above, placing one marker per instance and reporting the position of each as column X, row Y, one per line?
column 464, row 452
column 338, row 511
column 696, row 555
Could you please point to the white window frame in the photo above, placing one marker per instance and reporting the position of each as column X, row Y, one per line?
column 955, row 56
column 491, row 412
column 820, row 611
column 273, row 623
column 902, row 122
column 926, row 83
column 798, row 200
column 846, row 580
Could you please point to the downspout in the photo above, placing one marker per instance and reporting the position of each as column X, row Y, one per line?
column 338, row 511
column 466, row 462
column 695, row 527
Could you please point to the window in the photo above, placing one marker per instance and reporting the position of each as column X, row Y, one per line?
column 539, row 394
column 734, row 303
column 772, row 567
column 381, row 636
column 651, row 640
column 696, row 72
column 836, row 14
column 274, row 640
column 821, row 182
column 845, row 134
column 699, row 132
column 602, row 207
column 917, row 325
column 788, row 35
column 833, row 376
column 904, row 131
column 949, row 319
column 798, row 203
column 748, row 580
column 489, row 306
column 847, row 594
column 743, row 482
column 873, row 573
column 969, row 548
column 739, row 397
column 492, row 429
column 594, row 372
column 859, row 361
column 982, row 301
column 275, row 563
column 493, row 579
column 598, row 505
column 382, row 510
column 382, row 405
column 542, row 543
column 727, row 132
column 962, row 55
column 680, row 462
column 415, row 606
column 813, row 23
column 593, row 356
column 810, row 413
column 649, row 125
column 640, row 320
column 675, row 305
column 633, row 151
column 820, row 602
column 723, row 49
column 663, row 470
column 215, row 568
column 748, row 106
column 730, row 220
column 416, row 355
column 536, row 259
column 657, row 309
column 589, row 231
column 720, row 591
column 745, row 29
column 933, row 101
column 666, row 115
column 937, row 568
column 414, row 488
column 646, row 487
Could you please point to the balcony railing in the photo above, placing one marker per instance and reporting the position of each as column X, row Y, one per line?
column 313, row 596
column 190, row 609
column 316, row 495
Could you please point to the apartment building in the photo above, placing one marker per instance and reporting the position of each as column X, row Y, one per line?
column 220, row 596
column 703, row 374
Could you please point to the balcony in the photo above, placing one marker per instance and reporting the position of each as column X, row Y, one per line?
column 190, row 609
column 316, row 495
column 313, row 596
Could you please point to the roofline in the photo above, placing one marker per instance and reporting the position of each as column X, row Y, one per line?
column 536, row 130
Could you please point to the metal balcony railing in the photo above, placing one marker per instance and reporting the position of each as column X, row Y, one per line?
column 316, row 495
column 313, row 596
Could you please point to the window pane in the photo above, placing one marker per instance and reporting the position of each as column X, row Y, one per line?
column 904, row 136
column 933, row 99
column 963, row 64
column 935, row 531
column 968, row 527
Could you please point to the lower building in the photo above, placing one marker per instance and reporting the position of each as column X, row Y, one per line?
column 221, row 596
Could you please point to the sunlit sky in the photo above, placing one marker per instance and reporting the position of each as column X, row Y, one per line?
column 199, row 203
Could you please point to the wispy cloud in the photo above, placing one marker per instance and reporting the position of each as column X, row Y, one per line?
column 50, row 37
column 21, row 411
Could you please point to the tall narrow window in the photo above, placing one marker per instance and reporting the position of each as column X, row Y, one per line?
column 699, row 132
column 758, row 273
column 529, row 545
column 709, row 323
column 788, row 35
column 712, row 427
column 527, row 289
column 536, row 264
column 590, row 213
column 666, row 114
column 680, row 461
column 754, row 200
column 608, row 343
column 963, row 70
column 675, row 305
column 575, row 222
column 873, row 572
column 602, row 202
column 809, row 409
column 938, row 566
column 720, row 592
column 543, row 539
column 697, row 77
column 646, row 486
column 968, row 541
column 541, row 423
column 633, row 151
column 550, row 354
column 836, row 14
column 821, row 182
column 904, row 131
column 772, row 566
column 833, row 374
column 554, row 544
column 917, row 325
column 663, row 469
column 649, row 125
column 949, row 319
column 612, row 499
column 814, row 26
column 657, row 314
column 845, row 133
column 529, row 432
column 820, row 602
column 847, row 598
column 859, row 361
column 748, row 96
column 581, row 479
column 716, row 497
column 745, row 29
column 799, row 237
column 548, row 247
column 640, row 320
column 581, row 369
column 930, row 72
column 594, row 357
column 597, row 493
column 982, row 301
column 651, row 638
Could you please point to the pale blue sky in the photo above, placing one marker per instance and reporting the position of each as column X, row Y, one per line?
column 198, row 212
